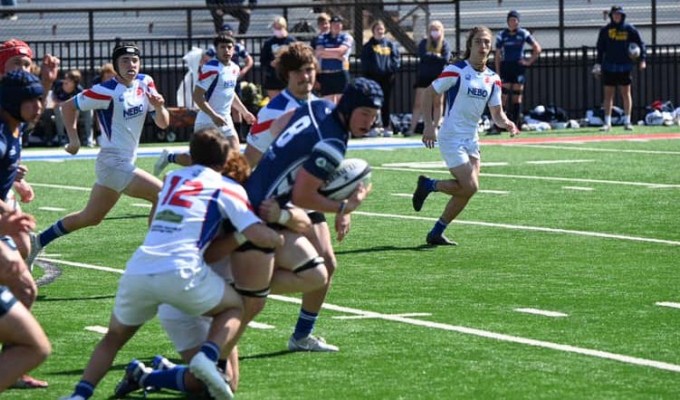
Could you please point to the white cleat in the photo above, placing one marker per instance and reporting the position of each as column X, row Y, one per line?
column 35, row 250
column 311, row 343
column 206, row 371
column 161, row 163
column 606, row 128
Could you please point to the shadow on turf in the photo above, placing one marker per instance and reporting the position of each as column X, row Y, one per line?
column 419, row 247
column 45, row 298
column 267, row 355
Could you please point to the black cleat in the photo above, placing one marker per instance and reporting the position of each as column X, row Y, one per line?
column 131, row 380
column 420, row 194
column 439, row 240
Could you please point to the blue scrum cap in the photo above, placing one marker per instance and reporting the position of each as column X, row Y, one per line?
column 360, row 93
column 17, row 87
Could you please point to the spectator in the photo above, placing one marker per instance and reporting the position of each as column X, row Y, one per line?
column 63, row 90
column 380, row 62
column 272, row 83
column 323, row 26
column 235, row 8
column 433, row 53
column 9, row 15
column 106, row 72
column 615, row 64
column 333, row 50
column 511, row 64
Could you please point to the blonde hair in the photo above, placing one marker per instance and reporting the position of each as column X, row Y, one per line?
column 279, row 20
column 432, row 46
column 323, row 17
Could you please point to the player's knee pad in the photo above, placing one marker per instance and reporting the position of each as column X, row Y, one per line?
column 252, row 293
column 505, row 91
column 309, row 264
column 250, row 246
column 517, row 92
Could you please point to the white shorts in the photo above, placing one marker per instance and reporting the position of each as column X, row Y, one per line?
column 114, row 172
column 139, row 296
column 456, row 151
column 227, row 130
column 187, row 331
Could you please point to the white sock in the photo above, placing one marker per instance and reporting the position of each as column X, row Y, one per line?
column 626, row 119
column 608, row 120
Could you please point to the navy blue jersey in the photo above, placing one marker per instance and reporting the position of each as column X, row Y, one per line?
column 511, row 44
column 314, row 139
column 612, row 46
column 10, row 153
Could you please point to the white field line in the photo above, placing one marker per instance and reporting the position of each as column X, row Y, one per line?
column 97, row 328
column 547, row 162
column 485, row 191
column 541, row 178
column 415, row 314
column 595, row 149
column 259, row 325
column 51, row 208
column 142, row 205
column 667, row 304
column 585, row 189
column 545, row 313
column 452, row 328
column 48, row 185
column 526, row 228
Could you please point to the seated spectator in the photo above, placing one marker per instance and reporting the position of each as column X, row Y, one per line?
column 235, row 8
column 63, row 90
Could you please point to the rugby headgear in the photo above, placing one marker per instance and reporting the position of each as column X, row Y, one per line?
column 123, row 49
column 13, row 48
column 360, row 93
column 17, row 87
column 513, row 14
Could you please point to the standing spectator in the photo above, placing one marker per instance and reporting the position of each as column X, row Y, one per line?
column 235, row 8
column 323, row 26
column 470, row 87
column 63, row 90
column 433, row 53
column 333, row 50
column 380, row 62
column 615, row 64
column 8, row 14
column 272, row 83
column 511, row 64
column 122, row 104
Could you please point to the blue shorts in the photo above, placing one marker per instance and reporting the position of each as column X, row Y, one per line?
column 7, row 300
column 333, row 82
column 512, row 72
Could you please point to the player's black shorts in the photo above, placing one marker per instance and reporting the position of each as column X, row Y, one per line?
column 512, row 72
column 316, row 217
column 7, row 300
column 616, row 78
column 333, row 82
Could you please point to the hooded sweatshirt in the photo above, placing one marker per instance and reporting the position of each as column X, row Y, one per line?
column 612, row 44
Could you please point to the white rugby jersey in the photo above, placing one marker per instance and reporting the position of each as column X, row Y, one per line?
column 192, row 205
column 468, row 91
column 260, row 136
column 121, row 112
column 219, row 82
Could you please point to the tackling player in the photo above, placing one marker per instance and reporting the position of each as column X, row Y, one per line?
column 469, row 86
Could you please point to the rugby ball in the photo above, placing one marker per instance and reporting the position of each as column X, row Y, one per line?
column 633, row 51
column 345, row 179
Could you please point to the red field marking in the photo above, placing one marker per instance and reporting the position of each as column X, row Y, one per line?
column 572, row 139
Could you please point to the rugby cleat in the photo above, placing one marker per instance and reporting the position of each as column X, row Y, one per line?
column 628, row 127
column 421, row 193
column 134, row 373
column 311, row 343
column 160, row 363
column 606, row 128
column 207, row 372
column 439, row 240
column 161, row 163
column 36, row 248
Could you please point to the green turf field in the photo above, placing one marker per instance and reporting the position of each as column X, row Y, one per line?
column 587, row 230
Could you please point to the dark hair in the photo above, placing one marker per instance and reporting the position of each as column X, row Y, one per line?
column 223, row 38
column 209, row 148
column 468, row 41
column 292, row 58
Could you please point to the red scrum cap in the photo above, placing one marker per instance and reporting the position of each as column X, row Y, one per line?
column 13, row 48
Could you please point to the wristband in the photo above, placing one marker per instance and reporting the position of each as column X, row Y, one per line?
column 341, row 209
column 240, row 238
column 284, row 216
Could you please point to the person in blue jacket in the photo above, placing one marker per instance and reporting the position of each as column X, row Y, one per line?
column 433, row 53
column 379, row 62
column 615, row 62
